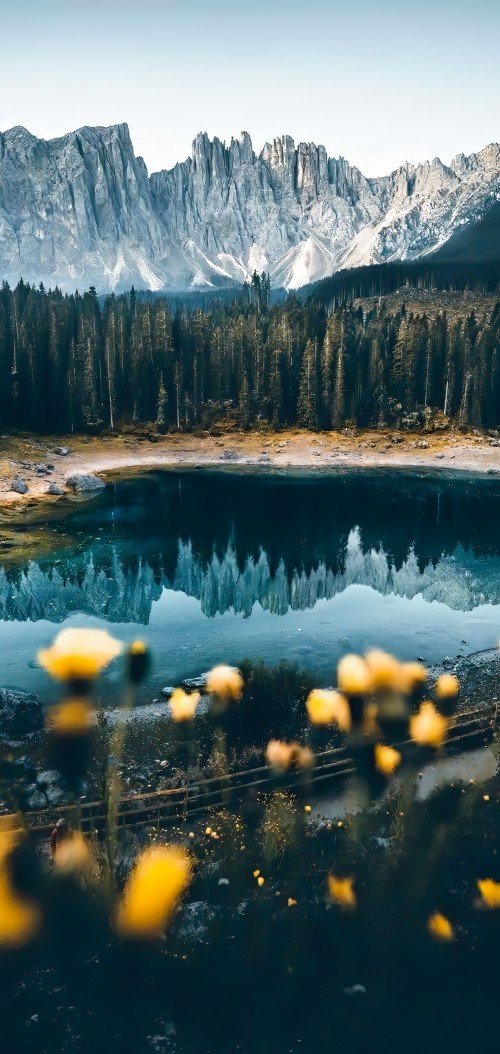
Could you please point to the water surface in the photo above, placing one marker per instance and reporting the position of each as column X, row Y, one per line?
column 215, row 566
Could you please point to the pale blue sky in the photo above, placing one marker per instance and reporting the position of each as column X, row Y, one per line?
column 379, row 84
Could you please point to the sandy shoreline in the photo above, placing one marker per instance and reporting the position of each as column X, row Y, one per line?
column 451, row 451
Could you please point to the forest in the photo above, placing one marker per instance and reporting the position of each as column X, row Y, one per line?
column 81, row 363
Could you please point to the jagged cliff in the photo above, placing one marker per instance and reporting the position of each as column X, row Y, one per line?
column 82, row 210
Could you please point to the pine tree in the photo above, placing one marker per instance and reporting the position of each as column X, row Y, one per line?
column 307, row 405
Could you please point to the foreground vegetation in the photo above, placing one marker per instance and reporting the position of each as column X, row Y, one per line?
column 91, row 365
column 297, row 932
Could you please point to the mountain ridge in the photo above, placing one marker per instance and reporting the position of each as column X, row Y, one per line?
column 82, row 209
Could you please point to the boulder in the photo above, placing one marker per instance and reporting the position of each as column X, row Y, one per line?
column 20, row 712
column 84, row 484
column 423, row 444
column 17, row 768
column 55, row 489
column 19, row 486
column 62, row 451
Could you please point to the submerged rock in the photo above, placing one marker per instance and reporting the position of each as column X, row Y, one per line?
column 85, row 483
column 20, row 712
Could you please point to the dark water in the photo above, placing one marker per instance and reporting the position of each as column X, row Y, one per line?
column 213, row 567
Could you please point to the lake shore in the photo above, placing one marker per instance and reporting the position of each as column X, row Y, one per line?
column 35, row 461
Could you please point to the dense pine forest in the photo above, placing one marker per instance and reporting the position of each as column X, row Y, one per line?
column 73, row 363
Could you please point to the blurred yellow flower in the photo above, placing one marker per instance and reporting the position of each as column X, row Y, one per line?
column 387, row 760
column 411, row 676
column 158, row 879
column 384, row 668
column 307, row 808
column 72, row 717
column 183, row 704
column 260, row 880
column 291, row 902
column 19, row 918
column 428, row 728
column 439, row 928
column 354, row 675
column 304, row 757
column 280, row 755
column 324, row 707
column 79, row 654
column 341, row 891
column 490, row 892
column 225, row 681
column 447, row 686
column 73, row 854
column 256, row 873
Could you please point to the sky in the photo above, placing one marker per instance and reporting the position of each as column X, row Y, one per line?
column 377, row 83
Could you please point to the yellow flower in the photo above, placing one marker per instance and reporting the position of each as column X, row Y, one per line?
column 354, row 675
column 260, row 880
column 386, row 759
column 428, row 728
column 304, row 757
column 79, row 654
column 183, row 704
column 341, row 891
column 411, row 675
column 384, row 668
column 158, row 879
column 73, row 717
column 225, row 681
column 307, row 808
column 490, row 892
column 72, row 854
column 447, row 686
column 19, row 918
column 291, row 902
column 439, row 928
column 280, row 755
column 325, row 707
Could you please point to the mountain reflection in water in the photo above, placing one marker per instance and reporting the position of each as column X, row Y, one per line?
column 119, row 593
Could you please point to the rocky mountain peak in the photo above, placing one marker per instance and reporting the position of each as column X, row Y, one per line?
column 82, row 209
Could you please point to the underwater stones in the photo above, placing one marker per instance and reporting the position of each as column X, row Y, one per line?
column 20, row 712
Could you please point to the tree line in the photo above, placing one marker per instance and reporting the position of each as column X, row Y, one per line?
column 76, row 363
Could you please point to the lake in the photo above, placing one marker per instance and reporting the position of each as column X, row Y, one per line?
column 214, row 566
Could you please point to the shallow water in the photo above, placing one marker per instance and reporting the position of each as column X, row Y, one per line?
column 213, row 567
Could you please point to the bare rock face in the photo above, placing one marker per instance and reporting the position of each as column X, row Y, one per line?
column 20, row 713
column 82, row 210
column 83, row 484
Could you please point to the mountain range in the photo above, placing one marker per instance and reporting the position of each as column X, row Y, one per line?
column 82, row 210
